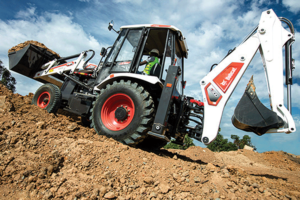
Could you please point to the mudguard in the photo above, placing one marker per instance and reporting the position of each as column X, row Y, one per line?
column 112, row 77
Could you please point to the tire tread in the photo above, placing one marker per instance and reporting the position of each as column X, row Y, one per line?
column 148, row 109
column 55, row 92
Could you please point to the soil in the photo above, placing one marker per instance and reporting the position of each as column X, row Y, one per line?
column 24, row 44
column 47, row 156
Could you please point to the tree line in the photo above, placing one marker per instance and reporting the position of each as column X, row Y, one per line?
column 222, row 144
column 219, row 144
column 6, row 78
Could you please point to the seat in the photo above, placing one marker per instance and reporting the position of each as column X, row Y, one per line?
column 155, row 71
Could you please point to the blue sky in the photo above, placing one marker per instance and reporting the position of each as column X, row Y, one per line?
column 211, row 28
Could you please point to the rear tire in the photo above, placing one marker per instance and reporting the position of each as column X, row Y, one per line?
column 47, row 97
column 123, row 111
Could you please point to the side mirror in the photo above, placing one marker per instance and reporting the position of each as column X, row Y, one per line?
column 110, row 25
column 183, row 84
column 103, row 52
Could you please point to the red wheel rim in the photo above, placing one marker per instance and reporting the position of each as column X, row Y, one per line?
column 109, row 108
column 43, row 100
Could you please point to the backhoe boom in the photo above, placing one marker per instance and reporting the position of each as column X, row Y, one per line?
column 219, row 84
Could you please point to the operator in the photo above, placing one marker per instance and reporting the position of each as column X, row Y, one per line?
column 151, row 61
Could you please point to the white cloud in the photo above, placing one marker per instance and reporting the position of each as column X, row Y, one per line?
column 292, row 5
column 26, row 14
column 205, row 37
column 85, row 1
column 128, row 1
column 57, row 31
column 218, row 29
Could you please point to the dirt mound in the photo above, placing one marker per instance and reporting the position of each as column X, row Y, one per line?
column 24, row 44
column 47, row 156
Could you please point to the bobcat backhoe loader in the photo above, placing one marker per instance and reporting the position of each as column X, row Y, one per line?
column 119, row 102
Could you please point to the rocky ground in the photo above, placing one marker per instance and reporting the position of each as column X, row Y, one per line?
column 47, row 156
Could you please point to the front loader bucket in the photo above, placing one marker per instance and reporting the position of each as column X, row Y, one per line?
column 252, row 116
column 28, row 61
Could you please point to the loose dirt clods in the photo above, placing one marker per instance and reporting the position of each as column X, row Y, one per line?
column 47, row 156
column 24, row 44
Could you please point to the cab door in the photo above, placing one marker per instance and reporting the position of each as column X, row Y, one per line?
column 179, row 61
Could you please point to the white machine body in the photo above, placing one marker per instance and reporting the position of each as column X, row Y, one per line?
column 218, row 85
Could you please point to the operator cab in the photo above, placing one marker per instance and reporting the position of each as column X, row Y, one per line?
column 134, row 44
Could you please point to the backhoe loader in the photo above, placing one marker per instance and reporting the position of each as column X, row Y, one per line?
column 119, row 101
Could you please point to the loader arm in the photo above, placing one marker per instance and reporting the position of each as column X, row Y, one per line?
column 218, row 85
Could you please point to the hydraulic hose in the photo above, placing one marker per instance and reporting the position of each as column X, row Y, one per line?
column 289, row 23
column 90, row 57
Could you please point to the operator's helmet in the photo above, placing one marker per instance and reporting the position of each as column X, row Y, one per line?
column 154, row 51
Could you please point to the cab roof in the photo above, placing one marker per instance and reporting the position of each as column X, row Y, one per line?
column 171, row 27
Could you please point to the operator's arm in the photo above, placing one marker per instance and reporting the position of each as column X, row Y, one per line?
column 143, row 62
column 149, row 59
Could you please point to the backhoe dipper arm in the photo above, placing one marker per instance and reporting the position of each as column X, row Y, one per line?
column 219, row 84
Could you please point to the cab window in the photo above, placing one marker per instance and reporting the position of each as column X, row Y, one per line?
column 127, row 51
column 156, row 39
column 168, row 58
column 116, row 47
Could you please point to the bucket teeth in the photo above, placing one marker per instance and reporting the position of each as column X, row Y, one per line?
column 251, row 88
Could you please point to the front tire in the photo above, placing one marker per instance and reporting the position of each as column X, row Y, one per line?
column 123, row 111
column 47, row 97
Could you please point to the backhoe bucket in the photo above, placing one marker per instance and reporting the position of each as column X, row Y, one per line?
column 252, row 116
column 28, row 61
